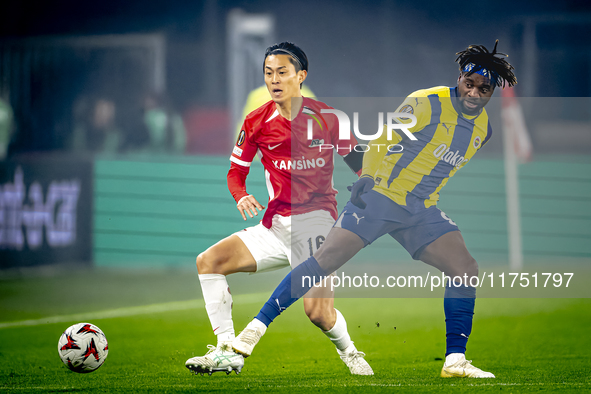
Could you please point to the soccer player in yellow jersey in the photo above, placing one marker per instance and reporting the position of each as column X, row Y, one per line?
column 397, row 195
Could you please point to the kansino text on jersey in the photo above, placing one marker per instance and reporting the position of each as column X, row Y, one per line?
column 393, row 148
column 299, row 164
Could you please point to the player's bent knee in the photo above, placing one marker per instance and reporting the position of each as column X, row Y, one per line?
column 318, row 319
column 331, row 253
column 468, row 267
column 321, row 314
column 202, row 266
column 460, row 267
column 471, row 267
column 209, row 263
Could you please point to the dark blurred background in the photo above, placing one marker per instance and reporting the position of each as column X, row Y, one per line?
column 117, row 117
column 83, row 76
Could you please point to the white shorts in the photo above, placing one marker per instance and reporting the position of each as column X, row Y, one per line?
column 289, row 241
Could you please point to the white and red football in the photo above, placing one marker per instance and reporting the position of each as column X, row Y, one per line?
column 83, row 347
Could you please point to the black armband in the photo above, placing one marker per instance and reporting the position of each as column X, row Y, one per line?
column 354, row 160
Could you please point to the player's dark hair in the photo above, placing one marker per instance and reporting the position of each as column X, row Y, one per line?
column 297, row 57
column 501, row 70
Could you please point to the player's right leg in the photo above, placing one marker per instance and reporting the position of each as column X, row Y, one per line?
column 319, row 307
column 319, row 301
column 354, row 229
column 226, row 257
column 338, row 248
column 449, row 254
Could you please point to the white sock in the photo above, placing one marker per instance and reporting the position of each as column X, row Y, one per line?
column 218, row 304
column 339, row 335
column 453, row 358
column 258, row 325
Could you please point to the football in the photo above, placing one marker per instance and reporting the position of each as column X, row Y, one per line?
column 83, row 347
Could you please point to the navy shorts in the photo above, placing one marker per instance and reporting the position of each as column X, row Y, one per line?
column 413, row 230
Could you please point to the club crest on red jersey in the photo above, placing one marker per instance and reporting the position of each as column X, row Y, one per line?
column 317, row 142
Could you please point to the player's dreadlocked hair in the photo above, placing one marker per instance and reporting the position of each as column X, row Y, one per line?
column 480, row 59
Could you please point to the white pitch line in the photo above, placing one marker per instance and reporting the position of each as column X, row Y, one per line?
column 131, row 311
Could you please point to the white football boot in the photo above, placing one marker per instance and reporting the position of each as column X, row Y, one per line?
column 245, row 342
column 356, row 362
column 459, row 367
column 218, row 359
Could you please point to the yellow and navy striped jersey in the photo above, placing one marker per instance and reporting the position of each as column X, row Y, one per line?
column 446, row 140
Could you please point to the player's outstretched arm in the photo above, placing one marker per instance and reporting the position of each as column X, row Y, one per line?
column 250, row 205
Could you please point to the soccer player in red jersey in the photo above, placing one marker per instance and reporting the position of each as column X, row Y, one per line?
column 301, row 210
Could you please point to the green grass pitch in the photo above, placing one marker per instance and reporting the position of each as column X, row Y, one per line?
column 154, row 322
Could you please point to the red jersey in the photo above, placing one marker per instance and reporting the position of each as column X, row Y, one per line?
column 297, row 170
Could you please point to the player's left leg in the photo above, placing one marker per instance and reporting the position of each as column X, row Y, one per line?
column 225, row 257
column 254, row 249
column 319, row 307
column 354, row 229
column 340, row 246
column 308, row 232
column 449, row 254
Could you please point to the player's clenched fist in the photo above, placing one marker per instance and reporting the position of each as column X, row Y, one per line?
column 250, row 205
